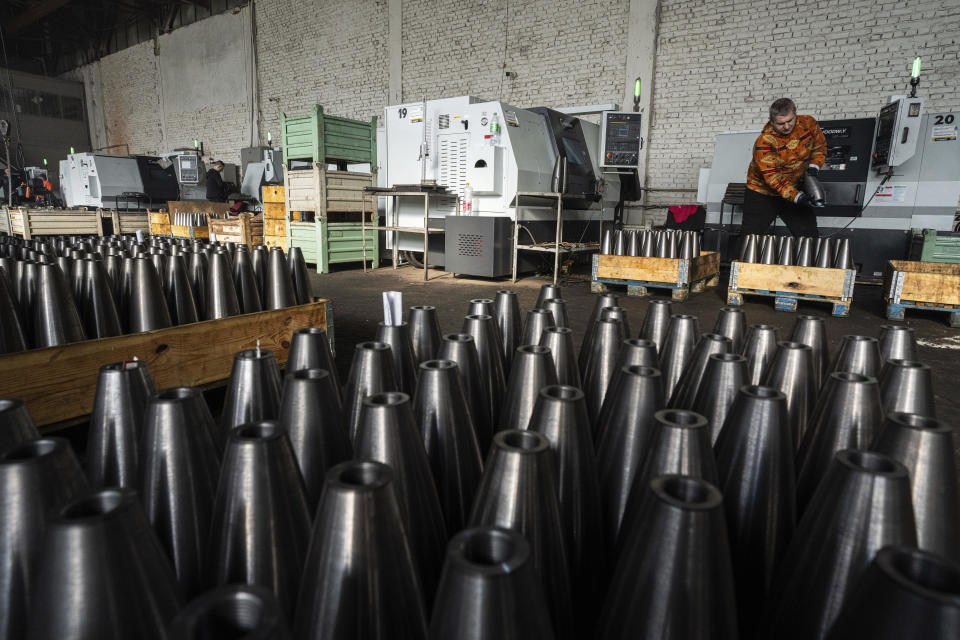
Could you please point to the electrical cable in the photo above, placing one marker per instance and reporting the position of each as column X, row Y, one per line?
column 866, row 204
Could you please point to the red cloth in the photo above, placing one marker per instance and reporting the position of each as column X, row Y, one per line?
column 681, row 212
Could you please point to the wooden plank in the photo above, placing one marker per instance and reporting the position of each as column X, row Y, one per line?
column 274, row 210
column 274, row 227
column 198, row 206
column 638, row 268
column 940, row 268
column 57, row 384
column 273, row 194
column 807, row 280
column 931, row 287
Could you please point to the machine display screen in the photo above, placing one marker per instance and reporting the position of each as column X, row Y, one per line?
column 887, row 121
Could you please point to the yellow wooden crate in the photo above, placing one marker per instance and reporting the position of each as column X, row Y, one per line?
column 936, row 283
column 242, row 229
column 811, row 281
column 275, row 241
column 159, row 223
column 273, row 194
column 274, row 211
column 275, row 228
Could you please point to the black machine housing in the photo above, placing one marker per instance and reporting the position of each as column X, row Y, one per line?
column 568, row 142
column 844, row 174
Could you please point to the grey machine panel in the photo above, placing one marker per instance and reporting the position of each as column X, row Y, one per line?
column 478, row 245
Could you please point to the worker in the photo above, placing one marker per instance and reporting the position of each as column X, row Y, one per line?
column 216, row 191
column 788, row 147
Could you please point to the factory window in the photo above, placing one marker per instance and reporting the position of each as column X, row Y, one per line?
column 49, row 104
column 25, row 102
column 72, row 108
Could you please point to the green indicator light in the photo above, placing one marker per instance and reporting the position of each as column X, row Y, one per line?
column 71, row 150
column 44, row 162
column 269, row 137
column 636, row 88
column 196, row 143
column 916, row 68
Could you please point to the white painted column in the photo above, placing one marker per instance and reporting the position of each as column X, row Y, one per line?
column 395, row 52
column 640, row 63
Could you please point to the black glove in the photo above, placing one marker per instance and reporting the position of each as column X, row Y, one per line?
column 803, row 199
column 813, row 170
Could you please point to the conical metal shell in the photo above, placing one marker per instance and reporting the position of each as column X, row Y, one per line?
column 558, row 307
column 648, row 245
column 146, row 305
column 231, row 611
column 27, row 293
column 755, row 466
column 533, row 369
column 359, row 580
column 370, row 372
column 56, row 320
column 460, row 348
column 656, row 323
column 897, row 342
column 601, row 364
column 16, row 425
column 424, row 332
column 617, row 313
column 812, row 331
column 311, row 412
column 561, row 415
column 623, row 435
column 489, row 589
column 449, row 438
column 98, row 309
column 748, row 250
column 481, row 307
column 904, row 593
column 260, row 521
column 197, row 270
column 253, row 391
column 245, row 284
column 602, row 301
column 806, row 252
column 862, row 505
column 633, row 244
column 519, row 492
column 606, row 242
column 278, row 292
column 259, row 261
column 221, row 296
column 397, row 337
column 768, row 250
column 300, row 280
column 858, row 354
column 906, row 385
column 37, row 478
column 787, row 251
column 847, row 415
column 925, row 447
column 537, row 321
column 826, row 254
column 310, row 349
column 177, row 480
column 689, row 383
column 75, row 276
column 722, row 378
column 791, row 372
column 844, row 258
column 560, row 342
column 506, row 308
column 181, row 302
column 686, row 246
column 116, row 426
column 673, row 578
column 12, row 337
column 388, row 433
column 102, row 573
column 677, row 350
column 759, row 348
column 732, row 323
column 490, row 359
column 547, row 292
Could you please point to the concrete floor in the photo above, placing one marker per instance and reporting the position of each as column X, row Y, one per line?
column 358, row 307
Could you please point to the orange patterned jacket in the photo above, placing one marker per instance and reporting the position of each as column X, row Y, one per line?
column 779, row 162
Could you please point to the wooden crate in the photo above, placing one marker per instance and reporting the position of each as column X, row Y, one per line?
column 28, row 222
column 272, row 194
column 638, row 274
column 932, row 286
column 198, row 206
column 159, row 223
column 275, row 228
column 243, row 229
column 789, row 283
column 276, row 241
column 57, row 383
column 274, row 211
column 128, row 221
column 324, row 191
column 191, row 232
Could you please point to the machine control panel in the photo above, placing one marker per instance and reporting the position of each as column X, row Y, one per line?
column 189, row 169
column 898, row 129
column 620, row 139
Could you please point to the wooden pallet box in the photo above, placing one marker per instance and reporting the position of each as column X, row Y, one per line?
column 790, row 283
column 159, row 223
column 272, row 194
column 243, row 229
column 638, row 274
column 190, row 232
column 275, row 241
column 933, row 286
column 274, row 211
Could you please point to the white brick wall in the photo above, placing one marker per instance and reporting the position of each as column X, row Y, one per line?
column 720, row 63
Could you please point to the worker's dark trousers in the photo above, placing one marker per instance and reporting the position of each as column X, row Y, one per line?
column 760, row 211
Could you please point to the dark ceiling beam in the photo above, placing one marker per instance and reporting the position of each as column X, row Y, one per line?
column 33, row 14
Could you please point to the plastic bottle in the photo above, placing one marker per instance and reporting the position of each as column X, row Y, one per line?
column 467, row 208
column 495, row 130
